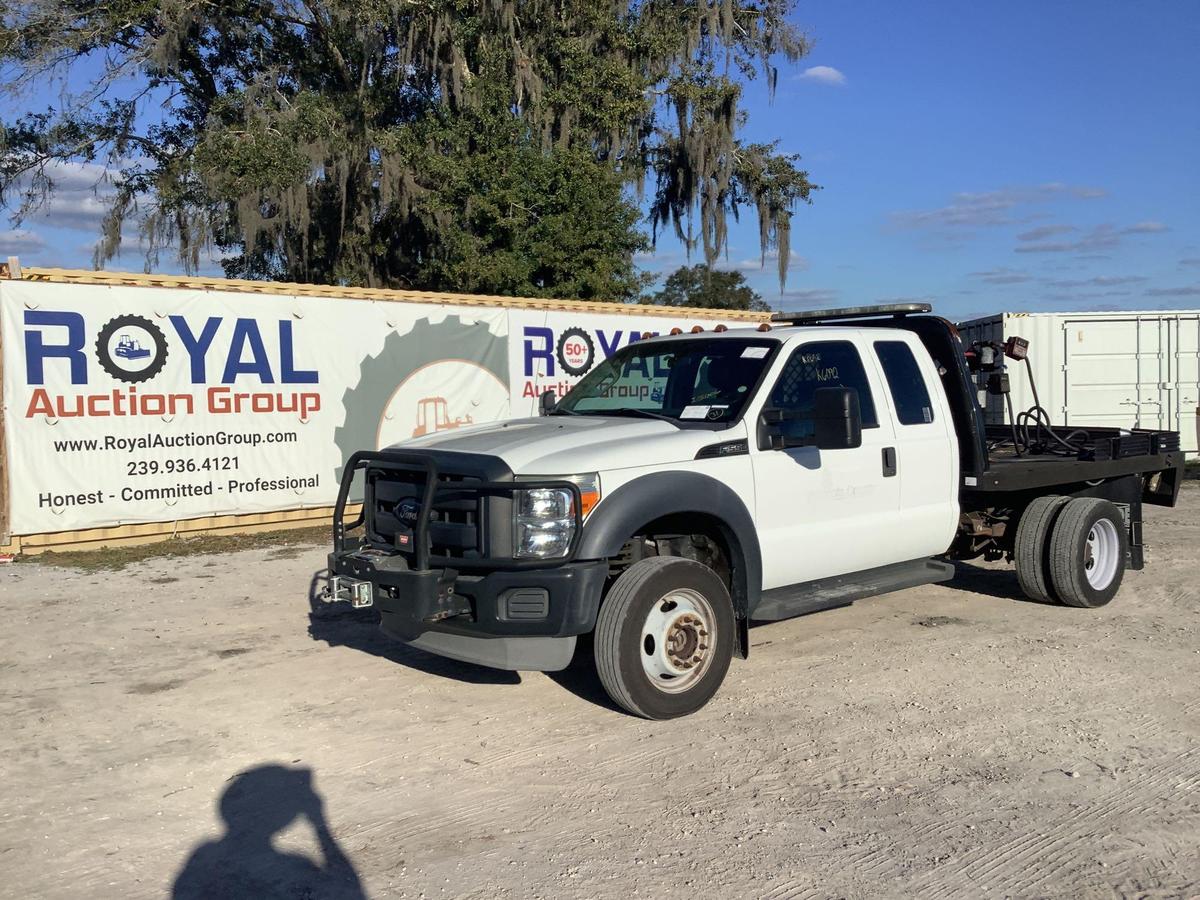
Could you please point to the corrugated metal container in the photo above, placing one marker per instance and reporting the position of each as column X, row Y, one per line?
column 1122, row 369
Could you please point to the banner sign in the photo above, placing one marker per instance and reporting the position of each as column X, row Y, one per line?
column 132, row 404
column 551, row 350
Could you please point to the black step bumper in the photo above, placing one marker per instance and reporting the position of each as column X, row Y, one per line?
column 522, row 619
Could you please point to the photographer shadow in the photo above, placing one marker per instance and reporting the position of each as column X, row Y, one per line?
column 256, row 806
column 341, row 625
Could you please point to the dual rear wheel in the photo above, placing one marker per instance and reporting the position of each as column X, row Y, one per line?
column 1071, row 551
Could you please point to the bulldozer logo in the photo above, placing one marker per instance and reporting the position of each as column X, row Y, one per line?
column 433, row 415
column 402, row 391
column 131, row 349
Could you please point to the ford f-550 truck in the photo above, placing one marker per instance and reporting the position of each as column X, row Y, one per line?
column 692, row 484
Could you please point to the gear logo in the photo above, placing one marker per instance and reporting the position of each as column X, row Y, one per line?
column 575, row 351
column 429, row 353
column 131, row 349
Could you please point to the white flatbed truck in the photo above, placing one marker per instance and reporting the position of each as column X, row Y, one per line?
column 694, row 483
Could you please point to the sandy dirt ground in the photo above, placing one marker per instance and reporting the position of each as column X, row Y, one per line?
column 192, row 725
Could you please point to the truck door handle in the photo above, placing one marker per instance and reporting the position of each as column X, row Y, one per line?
column 889, row 462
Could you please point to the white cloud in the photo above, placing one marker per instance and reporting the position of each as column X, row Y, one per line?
column 1145, row 228
column 74, row 210
column 20, row 241
column 1082, row 192
column 989, row 208
column 1044, row 231
column 815, row 297
column 1190, row 291
column 654, row 261
column 131, row 243
column 1003, row 276
column 1099, row 281
column 768, row 263
column 79, row 199
column 78, row 176
column 823, row 74
column 1102, row 237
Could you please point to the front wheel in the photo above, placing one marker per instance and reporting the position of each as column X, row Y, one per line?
column 664, row 637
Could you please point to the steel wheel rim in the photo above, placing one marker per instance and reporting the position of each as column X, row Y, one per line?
column 1101, row 554
column 678, row 640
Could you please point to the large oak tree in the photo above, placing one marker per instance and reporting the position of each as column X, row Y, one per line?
column 497, row 145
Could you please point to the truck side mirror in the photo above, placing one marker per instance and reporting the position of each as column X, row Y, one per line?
column 837, row 418
column 546, row 403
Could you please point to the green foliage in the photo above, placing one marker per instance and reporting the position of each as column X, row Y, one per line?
column 493, row 146
column 707, row 288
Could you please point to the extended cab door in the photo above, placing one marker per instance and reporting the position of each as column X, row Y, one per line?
column 822, row 513
column 926, row 446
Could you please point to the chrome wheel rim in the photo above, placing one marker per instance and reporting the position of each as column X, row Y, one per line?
column 678, row 640
column 1101, row 554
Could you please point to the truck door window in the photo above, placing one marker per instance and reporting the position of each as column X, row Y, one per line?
column 904, row 380
column 819, row 365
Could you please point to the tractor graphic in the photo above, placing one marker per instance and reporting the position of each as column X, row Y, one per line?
column 437, row 420
column 129, row 348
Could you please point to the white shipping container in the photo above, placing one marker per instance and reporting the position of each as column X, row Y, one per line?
column 1120, row 369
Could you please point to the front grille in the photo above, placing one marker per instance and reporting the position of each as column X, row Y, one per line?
column 455, row 523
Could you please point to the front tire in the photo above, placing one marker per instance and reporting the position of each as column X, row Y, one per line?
column 1087, row 552
column 664, row 637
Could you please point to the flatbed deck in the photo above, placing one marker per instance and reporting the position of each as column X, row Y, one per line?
column 1104, row 454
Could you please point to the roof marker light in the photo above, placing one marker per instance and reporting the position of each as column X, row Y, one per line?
column 721, row 328
column 696, row 329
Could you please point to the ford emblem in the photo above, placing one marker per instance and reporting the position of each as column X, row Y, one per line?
column 408, row 511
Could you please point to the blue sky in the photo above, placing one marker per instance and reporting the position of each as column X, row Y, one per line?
column 990, row 156
column 983, row 156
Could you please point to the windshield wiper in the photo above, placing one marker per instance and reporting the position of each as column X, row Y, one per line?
column 563, row 411
column 632, row 411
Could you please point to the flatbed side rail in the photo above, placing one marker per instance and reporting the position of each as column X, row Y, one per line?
column 427, row 464
column 1102, row 442
column 1016, row 474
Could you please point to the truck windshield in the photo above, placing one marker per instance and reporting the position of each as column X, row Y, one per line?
column 689, row 379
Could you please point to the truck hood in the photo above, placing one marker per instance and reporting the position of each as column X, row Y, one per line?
column 569, row 445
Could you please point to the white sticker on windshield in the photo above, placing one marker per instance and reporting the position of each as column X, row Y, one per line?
column 755, row 352
column 694, row 412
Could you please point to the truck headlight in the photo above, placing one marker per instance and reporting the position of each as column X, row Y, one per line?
column 544, row 518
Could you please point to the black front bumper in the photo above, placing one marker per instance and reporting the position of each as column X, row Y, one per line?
column 549, row 602
column 488, row 609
